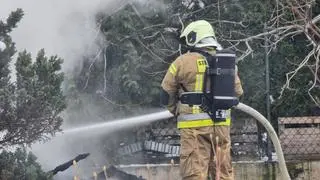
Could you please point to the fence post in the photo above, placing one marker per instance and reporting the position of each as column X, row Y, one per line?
column 268, row 104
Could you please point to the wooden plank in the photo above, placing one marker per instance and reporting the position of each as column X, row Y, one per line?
column 300, row 120
column 244, row 138
column 291, row 147
column 244, row 129
column 246, row 125
column 312, row 138
column 300, row 131
column 250, row 147
column 165, row 131
column 301, row 151
column 295, row 157
column 299, row 143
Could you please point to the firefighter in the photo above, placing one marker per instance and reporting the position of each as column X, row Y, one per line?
column 200, row 134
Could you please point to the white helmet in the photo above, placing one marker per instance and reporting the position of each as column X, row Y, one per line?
column 200, row 34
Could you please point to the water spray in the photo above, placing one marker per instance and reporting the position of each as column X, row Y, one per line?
column 122, row 123
column 139, row 120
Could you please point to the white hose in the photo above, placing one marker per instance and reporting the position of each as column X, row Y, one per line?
column 272, row 134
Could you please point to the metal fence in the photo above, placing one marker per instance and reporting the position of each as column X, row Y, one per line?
column 159, row 143
column 300, row 137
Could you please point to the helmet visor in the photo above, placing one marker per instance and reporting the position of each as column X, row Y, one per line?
column 209, row 42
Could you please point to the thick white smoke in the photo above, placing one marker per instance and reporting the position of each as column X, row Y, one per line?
column 63, row 27
column 66, row 28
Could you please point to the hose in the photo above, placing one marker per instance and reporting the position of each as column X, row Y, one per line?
column 282, row 164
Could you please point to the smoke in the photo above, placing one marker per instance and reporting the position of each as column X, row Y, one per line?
column 66, row 28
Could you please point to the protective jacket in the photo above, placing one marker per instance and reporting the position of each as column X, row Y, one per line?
column 186, row 74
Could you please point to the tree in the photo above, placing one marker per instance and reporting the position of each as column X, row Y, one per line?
column 293, row 25
column 141, row 41
column 20, row 165
column 30, row 107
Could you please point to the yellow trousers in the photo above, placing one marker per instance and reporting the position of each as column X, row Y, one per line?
column 202, row 149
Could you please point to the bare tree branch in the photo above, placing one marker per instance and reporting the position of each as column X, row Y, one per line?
column 291, row 74
column 289, row 19
column 89, row 70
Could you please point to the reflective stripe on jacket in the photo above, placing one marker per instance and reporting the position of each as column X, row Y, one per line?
column 200, row 120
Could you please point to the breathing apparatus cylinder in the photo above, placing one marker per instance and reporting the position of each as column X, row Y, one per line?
column 218, row 93
column 221, row 72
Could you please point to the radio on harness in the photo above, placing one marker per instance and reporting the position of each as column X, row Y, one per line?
column 218, row 93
